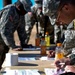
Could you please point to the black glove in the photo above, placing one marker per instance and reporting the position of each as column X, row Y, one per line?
column 27, row 46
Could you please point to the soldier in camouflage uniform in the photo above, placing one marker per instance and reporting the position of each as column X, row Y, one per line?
column 12, row 19
column 48, row 10
column 38, row 17
column 65, row 14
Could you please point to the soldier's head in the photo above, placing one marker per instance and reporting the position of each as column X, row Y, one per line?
column 65, row 10
column 23, row 6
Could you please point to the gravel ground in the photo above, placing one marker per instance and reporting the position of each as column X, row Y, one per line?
column 32, row 37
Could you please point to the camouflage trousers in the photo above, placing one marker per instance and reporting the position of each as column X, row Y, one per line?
column 3, row 50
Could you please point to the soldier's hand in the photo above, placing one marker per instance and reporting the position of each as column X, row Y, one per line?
column 17, row 48
column 57, row 64
column 70, row 68
column 30, row 14
column 51, row 53
column 27, row 46
column 62, row 63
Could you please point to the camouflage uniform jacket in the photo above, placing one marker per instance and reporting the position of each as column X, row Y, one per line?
column 69, row 42
column 11, row 21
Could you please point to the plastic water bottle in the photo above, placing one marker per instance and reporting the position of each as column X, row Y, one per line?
column 43, row 46
column 37, row 41
column 59, row 55
column 47, row 39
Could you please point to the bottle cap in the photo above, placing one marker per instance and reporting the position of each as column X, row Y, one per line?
column 47, row 33
column 59, row 44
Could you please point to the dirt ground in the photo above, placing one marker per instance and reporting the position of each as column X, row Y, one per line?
column 32, row 37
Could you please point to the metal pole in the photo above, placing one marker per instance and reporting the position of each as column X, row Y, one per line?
column 6, row 2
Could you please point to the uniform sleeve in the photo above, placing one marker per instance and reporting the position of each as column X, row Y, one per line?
column 6, row 25
column 57, row 33
column 21, row 30
column 29, row 23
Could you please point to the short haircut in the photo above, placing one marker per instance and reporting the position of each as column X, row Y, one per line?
column 68, row 73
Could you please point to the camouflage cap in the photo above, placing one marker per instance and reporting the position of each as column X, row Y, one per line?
column 50, row 6
column 27, row 4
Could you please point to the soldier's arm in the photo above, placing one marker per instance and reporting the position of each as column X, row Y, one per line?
column 6, row 25
column 29, row 23
column 21, row 31
column 25, row 27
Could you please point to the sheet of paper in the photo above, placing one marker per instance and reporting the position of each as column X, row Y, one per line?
column 46, row 58
column 26, row 58
column 52, row 71
column 29, row 48
column 38, row 48
column 22, row 72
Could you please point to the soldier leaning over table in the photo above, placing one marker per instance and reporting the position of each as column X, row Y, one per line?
column 65, row 12
column 12, row 19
